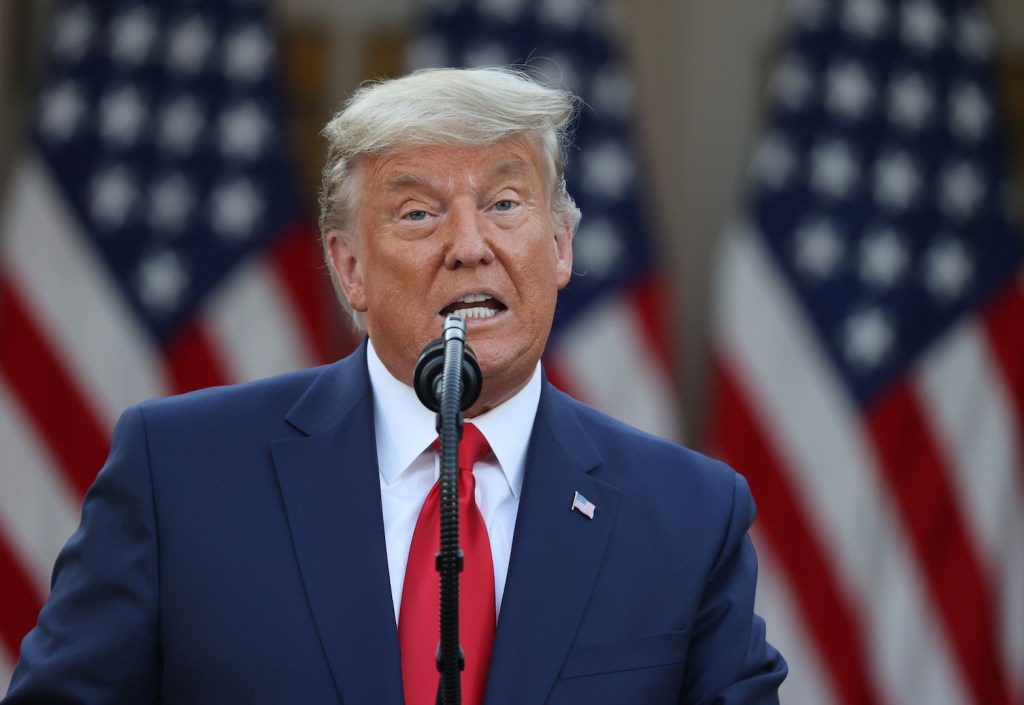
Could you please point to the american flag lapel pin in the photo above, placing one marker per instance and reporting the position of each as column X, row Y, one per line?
column 583, row 505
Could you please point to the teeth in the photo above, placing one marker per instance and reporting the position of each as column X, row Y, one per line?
column 473, row 298
column 477, row 312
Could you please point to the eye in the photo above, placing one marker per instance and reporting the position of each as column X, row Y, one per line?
column 505, row 205
column 416, row 215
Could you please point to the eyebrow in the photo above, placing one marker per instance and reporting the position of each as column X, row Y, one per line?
column 508, row 166
column 401, row 181
column 511, row 167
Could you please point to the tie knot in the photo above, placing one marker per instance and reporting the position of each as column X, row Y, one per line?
column 472, row 447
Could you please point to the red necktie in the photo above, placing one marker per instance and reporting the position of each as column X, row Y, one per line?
column 419, row 621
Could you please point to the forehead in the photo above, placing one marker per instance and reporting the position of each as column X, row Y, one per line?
column 444, row 165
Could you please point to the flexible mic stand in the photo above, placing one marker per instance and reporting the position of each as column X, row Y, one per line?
column 448, row 380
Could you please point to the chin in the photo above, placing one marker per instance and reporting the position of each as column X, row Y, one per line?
column 504, row 366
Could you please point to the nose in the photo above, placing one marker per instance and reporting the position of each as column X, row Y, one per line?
column 466, row 239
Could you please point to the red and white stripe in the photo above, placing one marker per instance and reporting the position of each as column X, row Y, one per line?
column 72, row 357
column 613, row 357
column 891, row 538
column 775, row 598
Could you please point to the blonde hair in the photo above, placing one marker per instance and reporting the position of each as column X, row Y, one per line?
column 445, row 106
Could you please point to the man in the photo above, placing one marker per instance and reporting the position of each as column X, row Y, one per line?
column 252, row 544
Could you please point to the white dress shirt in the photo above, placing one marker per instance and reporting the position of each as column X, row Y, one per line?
column 409, row 467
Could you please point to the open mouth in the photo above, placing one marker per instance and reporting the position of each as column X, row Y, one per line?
column 474, row 307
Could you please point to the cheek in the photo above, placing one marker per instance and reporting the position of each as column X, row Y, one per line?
column 401, row 287
column 543, row 269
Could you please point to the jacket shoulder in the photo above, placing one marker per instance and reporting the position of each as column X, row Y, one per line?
column 264, row 396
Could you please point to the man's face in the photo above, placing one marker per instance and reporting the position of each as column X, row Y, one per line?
column 464, row 230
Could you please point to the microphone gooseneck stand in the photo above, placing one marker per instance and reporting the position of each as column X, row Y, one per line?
column 448, row 380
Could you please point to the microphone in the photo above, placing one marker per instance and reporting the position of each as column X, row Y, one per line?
column 446, row 377
column 428, row 377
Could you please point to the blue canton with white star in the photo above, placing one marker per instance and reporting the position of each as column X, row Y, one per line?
column 880, row 187
column 161, row 122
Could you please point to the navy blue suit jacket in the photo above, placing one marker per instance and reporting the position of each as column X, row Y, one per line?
column 232, row 551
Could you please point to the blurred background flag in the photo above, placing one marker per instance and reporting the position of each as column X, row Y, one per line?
column 870, row 360
column 151, row 244
column 609, row 345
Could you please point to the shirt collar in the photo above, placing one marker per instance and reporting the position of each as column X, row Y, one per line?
column 405, row 428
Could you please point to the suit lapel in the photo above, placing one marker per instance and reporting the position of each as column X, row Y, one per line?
column 556, row 554
column 331, row 489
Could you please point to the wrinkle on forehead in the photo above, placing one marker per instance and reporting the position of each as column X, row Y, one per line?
column 418, row 166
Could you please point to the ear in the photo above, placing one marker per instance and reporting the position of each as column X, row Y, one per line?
column 343, row 248
column 563, row 253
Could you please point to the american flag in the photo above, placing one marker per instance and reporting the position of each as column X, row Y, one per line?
column 870, row 360
column 583, row 505
column 151, row 243
column 609, row 345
